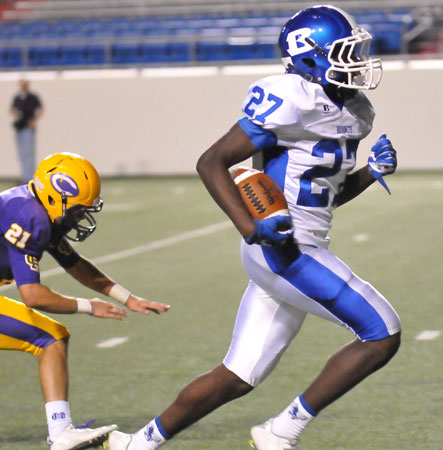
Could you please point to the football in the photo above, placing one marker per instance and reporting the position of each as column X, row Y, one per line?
column 261, row 194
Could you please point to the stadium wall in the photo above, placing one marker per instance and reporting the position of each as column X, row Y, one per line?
column 158, row 121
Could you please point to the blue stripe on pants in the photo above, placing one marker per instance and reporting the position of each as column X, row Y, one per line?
column 323, row 286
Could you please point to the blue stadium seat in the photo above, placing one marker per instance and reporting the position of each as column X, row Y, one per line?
column 179, row 52
column 88, row 41
column 241, row 51
column 11, row 57
column 211, row 51
column 267, row 50
column 82, row 55
column 125, row 54
column 223, row 51
column 387, row 38
column 71, row 56
column 153, row 53
column 43, row 56
column 95, row 54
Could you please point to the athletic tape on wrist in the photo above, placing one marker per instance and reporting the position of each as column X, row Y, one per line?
column 84, row 305
column 119, row 293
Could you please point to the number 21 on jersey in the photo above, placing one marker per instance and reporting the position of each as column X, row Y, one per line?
column 271, row 101
column 17, row 236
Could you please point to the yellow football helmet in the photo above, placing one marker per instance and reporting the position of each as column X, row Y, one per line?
column 68, row 186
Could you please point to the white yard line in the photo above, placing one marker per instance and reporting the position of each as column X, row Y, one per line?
column 113, row 342
column 163, row 242
column 363, row 237
column 428, row 335
column 146, row 248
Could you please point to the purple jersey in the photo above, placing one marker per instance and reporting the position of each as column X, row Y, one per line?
column 25, row 233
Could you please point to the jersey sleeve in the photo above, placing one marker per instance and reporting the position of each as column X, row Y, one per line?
column 60, row 249
column 25, row 267
column 260, row 137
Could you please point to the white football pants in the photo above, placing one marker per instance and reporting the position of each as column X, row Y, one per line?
column 278, row 298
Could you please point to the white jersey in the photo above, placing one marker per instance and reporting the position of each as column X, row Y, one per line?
column 318, row 140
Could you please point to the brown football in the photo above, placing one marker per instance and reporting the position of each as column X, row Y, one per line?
column 261, row 194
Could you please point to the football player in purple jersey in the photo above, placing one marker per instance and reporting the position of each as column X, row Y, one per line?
column 58, row 203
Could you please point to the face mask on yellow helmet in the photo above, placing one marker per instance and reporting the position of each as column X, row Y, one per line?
column 68, row 186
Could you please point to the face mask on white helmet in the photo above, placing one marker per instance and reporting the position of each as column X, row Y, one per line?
column 351, row 65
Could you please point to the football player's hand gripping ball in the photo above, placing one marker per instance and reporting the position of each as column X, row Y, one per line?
column 383, row 160
column 272, row 230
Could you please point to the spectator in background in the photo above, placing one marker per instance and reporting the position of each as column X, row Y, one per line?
column 27, row 109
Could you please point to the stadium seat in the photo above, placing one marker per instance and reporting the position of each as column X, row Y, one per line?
column 83, row 55
column 11, row 57
column 153, row 53
column 211, row 51
column 179, row 52
column 43, row 56
column 267, row 50
column 387, row 38
column 71, row 56
column 241, row 51
column 95, row 54
column 125, row 54
column 172, row 39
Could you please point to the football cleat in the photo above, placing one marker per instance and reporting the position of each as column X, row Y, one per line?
column 77, row 438
column 264, row 439
column 117, row 441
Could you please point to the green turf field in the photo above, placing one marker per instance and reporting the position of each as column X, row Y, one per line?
column 395, row 242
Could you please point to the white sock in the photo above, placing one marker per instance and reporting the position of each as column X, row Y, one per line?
column 150, row 437
column 58, row 416
column 293, row 420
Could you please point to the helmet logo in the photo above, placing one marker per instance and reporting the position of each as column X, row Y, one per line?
column 297, row 41
column 64, row 183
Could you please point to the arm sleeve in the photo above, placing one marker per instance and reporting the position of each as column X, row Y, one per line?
column 63, row 253
column 24, row 266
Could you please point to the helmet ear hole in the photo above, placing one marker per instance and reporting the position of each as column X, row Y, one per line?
column 51, row 201
column 309, row 62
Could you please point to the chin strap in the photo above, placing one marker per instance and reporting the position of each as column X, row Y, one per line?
column 64, row 203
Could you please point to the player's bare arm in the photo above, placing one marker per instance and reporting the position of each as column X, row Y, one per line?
column 213, row 168
column 92, row 277
column 39, row 296
column 355, row 184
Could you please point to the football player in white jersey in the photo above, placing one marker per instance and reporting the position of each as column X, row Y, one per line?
column 307, row 124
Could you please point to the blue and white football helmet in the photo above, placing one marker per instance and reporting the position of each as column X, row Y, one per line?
column 325, row 45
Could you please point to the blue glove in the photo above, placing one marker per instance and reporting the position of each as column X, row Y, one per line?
column 270, row 231
column 383, row 160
